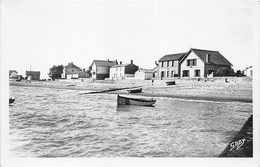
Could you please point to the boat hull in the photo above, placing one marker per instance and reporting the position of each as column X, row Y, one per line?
column 135, row 90
column 11, row 100
column 121, row 100
column 170, row 83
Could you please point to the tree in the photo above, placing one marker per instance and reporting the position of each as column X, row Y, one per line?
column 239, row 73
column 55, row 72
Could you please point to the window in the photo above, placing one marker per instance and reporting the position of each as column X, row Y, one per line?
column 191, row 62
column 162, row 64
column 194, row 62
column 185, row 73
column 197, row 73
column 168, row 63
column 116, row 69
column 162, row 73
column 167, row 74
column 173, row 63
column 172, row 74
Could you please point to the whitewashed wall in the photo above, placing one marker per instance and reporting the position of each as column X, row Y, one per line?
column 143, row 75
column 117, row 72
column 199, row 66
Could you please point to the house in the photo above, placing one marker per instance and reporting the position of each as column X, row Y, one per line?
column 169, row 66
column 145, row 74
column 202, row 63
column 84, row 73
column 100, row 68
column 13, row 73
column 122, row 71
column 71, row 71
column 33, row 75
column 249, row 71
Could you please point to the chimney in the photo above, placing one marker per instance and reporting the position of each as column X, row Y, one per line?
column 120, row 62
column 207, row 58
column 131, row 61
column 107, row 60
column 116, row 62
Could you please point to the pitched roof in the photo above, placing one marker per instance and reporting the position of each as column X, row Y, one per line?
column 71, row 65
column 214, row 57
column 120, row 65
column 107, row 63
column 32, row 73
column 11, row 71
column 169, row 57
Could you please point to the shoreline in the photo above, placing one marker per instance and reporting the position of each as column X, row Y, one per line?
column 219, row 92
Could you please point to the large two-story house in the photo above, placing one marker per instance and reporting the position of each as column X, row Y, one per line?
column 202, row 63
column 123, row 71
column 100, row 68
column 168, row 66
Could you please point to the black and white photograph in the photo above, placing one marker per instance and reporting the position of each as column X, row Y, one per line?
column 129, row 83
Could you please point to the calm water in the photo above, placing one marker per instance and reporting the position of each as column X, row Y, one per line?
column 61, row 123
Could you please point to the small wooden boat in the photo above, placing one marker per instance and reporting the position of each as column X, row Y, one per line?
column 11, row 100
column 138, row 90
column 170, row 83
column 139, row 101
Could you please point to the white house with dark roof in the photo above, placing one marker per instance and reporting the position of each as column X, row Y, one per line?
column 249, row 71
column 202, row 63
column 123, row 71
column 145, row 74
column 13, row 73
column 71, row 71
column 100, row 68
column 168, row 66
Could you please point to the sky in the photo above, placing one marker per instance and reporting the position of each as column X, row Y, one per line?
column 35, row 35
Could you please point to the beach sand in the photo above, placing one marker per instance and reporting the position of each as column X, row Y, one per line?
column 216, row 89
